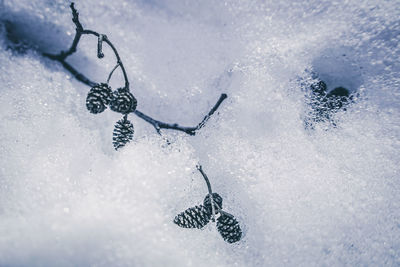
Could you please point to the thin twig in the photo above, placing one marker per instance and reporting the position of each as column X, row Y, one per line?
column 111, row 73
column 205, row 178
column 79, row 31
column 61, row 57
column 100, row 53
column 216, row 106
column 209, row 190
column 105, row 38
column 79, row 76
column 158, row 125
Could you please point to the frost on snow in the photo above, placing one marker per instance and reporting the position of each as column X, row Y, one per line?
column 325, row 195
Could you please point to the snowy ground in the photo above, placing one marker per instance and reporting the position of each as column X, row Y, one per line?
column 328, row 196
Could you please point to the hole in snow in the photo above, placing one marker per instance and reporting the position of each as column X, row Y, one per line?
column 337, row 68
column 335, row 80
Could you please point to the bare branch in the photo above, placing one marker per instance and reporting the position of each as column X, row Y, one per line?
column 158, row 125
column 101, row 38
column 79, row 76
column 61, row 57
column 216, row 106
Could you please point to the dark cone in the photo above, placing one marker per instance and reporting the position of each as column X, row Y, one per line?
column 337, row 98
column 98, row 97
column 123, row 101
column 217, row 202
column 196, row 217
column 123, row 133
column 229, row 228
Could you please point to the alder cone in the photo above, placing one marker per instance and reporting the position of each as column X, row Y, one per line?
column 123, row 101
column 229, row 228
column 196, row 217
column 123, row 133
column 98, row 98
column 217, row 202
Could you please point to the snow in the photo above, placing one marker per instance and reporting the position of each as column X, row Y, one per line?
column 327, row 196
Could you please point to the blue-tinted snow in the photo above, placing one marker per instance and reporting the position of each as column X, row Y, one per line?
column 322, row 197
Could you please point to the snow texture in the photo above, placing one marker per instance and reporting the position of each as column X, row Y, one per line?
column 328, row 196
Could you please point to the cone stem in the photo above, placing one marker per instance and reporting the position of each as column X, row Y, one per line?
column 205, row 178
column 111, row 73
column 209, row 190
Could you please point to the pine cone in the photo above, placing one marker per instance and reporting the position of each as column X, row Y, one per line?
column 196, row 217
column 229, row 228
column 123, row 101
column 123, row 133
column 217, row 202
column 98, row 97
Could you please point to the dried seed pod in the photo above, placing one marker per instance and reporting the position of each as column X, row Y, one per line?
column 98, row 97
column 217, row 199
column 229, row 228
column 123, row 133
column 123, row 101
column 196, row 217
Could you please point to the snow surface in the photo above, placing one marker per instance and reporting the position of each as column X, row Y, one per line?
column 323, row 197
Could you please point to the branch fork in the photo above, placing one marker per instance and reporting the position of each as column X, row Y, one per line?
column 102, row 38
